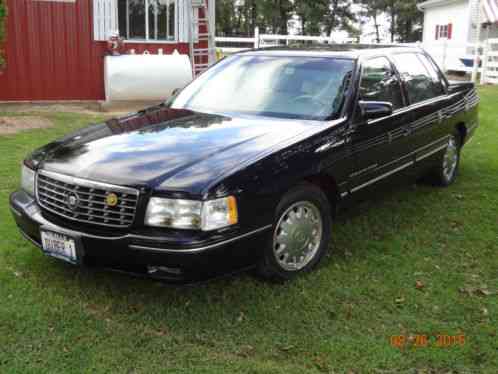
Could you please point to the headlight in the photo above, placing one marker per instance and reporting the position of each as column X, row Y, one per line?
column 28, row 180
column 178, row 214
column 190, row 214
column 220, row 213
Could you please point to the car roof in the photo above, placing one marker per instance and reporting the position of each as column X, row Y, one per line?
column 349, row 51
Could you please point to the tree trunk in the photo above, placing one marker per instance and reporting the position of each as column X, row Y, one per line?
column 393, row 22
column 377, row 27
column 254, row 16
column 283, row 17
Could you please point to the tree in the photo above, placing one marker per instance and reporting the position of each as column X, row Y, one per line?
column 405, row 18
column 373, row 9
column 408, row 22
column 225, row 14
column 324, row 16
column 240, row 17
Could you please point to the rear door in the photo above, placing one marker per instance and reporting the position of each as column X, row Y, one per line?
column 426, row 93
column 379, row 145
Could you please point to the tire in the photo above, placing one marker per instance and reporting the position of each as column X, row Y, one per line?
column 446, row 172
column 301, row 234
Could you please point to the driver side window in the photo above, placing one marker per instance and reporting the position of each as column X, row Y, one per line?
column 380, row 83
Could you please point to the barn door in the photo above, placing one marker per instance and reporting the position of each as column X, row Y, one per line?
column 105, row 19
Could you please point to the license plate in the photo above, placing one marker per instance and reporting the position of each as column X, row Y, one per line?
column 60, row 246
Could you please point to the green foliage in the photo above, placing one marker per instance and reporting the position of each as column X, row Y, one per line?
column 324, row 16
column 406, row 19
column 317, row 17
column 274, row 16
column 3, row 29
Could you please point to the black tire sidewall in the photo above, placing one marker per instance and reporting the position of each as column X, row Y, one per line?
column 302, row 192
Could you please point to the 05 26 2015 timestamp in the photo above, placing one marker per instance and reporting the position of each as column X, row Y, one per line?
column 425, row 341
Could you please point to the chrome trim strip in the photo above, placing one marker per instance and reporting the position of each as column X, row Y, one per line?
column 360, row 172
column 15, row 211
column 37, row 216
column 88, row 183
column 27, row 237
column 447, row 137
column 400, row 168
column 382, row 176
column 329, row 146
column 200, row 249
column 438, row 149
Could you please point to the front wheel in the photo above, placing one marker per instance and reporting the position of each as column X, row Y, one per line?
column 301, row 234
column 446, row 171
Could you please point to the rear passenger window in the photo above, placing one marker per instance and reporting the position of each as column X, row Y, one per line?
column 380, row 83
column 438, row 87
column 421, row 82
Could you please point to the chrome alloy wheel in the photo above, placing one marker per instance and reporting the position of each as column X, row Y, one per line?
column 450, row 160
column 297, row 236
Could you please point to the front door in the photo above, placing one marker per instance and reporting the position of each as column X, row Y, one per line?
column 380, row 145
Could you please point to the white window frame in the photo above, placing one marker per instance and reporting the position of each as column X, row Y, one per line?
column 147, row 39
column 106, row 22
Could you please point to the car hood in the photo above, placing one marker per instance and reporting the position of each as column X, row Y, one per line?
column 166, row 149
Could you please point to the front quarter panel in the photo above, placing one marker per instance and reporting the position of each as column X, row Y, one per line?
column 260, row 186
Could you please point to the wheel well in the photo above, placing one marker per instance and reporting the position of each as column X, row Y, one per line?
column 328, row 185
column 462, row 131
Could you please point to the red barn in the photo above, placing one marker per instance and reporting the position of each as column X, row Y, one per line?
column 55, row 49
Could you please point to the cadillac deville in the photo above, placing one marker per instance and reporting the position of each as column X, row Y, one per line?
column 247, row 165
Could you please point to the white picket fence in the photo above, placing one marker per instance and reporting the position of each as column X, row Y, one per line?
column 448, row 54
column 490, row 62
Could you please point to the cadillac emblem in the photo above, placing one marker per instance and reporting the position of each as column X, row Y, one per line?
column 72, row 200
column 112, row 200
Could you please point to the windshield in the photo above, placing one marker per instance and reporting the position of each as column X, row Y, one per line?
column 284, row 87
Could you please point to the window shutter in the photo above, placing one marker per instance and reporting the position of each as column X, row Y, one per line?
column 105, row 19
column 437, row 32
column 450, row 31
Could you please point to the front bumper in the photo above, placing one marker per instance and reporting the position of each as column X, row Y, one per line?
column 153, row 255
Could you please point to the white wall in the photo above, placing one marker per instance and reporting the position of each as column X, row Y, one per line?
column 456, row 13
column 448, row 53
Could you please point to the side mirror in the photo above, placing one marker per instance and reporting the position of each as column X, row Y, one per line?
column 375, row 109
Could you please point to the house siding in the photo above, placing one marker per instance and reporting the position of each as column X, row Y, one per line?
column 455, row 13
column 51, row 53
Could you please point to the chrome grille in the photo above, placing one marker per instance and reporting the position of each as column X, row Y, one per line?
column 57, row 193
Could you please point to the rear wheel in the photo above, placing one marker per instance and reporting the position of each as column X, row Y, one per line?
column 446, row 171
column 301, row 234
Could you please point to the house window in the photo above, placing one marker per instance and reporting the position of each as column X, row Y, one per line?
column 149, row 20
column 444, row 31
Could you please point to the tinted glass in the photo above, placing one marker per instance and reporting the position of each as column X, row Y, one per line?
column 420, row 84
column 438, row 87
column 286, row 87
column 133, row 21
column 162, row 19
column 379, row 83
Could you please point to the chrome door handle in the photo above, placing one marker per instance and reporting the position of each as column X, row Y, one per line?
column 330, row 145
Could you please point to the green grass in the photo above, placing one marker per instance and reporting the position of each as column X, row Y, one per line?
column 58, row 319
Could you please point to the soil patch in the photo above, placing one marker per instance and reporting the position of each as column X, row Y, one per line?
column 13, row 125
